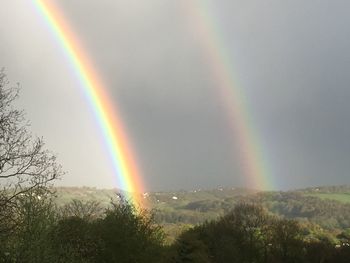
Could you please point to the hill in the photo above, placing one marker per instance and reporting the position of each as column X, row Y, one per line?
column 337, row 193
column 327, row 206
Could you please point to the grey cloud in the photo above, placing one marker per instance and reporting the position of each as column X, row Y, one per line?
column 290, row 57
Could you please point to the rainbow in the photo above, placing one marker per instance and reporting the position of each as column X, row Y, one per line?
column 253, row 161
column 106, row 113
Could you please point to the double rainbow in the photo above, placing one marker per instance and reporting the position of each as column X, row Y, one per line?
column 105, row 111
column 253, row 161
column 254, row 165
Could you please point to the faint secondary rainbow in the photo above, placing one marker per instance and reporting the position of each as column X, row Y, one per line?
column 254, row 163
column 106, row 113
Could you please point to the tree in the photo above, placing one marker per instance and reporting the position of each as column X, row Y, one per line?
column 25, row 165
column 121, row 235
column 128, row 235
column 190, row 248
column 35, row 217
column 73, row 240
column 86, row 210
column 286, row 241
column 248, row 234
column 249, row 224
column 239, row 236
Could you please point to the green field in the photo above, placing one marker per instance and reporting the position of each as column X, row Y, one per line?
column 341, row 197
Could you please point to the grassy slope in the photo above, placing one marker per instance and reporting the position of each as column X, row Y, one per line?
column 336, row 193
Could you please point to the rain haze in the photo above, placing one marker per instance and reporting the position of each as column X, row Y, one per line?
column 291, row 59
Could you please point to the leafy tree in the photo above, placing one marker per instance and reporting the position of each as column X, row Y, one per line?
column 247, row 234
column 128, row 235
column 72, row 240
column 35, row 217
column 240, row 236
column 190, row 248
column 250, row 223
column 317, row 251
column 123, row 234
column 286, row 241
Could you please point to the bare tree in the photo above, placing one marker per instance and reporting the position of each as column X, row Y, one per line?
column 87, row 210
column 26, row 167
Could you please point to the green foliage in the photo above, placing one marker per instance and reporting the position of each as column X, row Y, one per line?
column 72, row 240
column 196, row 207
column 123, row 234
column 190, row 248
column 286, row 241
column 329, row 214
column 249, row 234
column 127, row 235
column 28, row 241
column 341, row 197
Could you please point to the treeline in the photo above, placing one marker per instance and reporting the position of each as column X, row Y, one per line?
column 328, row 189
column 195, row 207
column 329, row 214
column 250, row 234
column 85, row 232
column 79, row 232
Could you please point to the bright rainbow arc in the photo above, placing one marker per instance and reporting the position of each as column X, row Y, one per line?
column 255, row 166
column 110, row 123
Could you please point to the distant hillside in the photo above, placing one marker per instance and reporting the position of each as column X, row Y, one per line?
column 328, row 207
column 337, row 193
column 67, row 194
column 327, row 189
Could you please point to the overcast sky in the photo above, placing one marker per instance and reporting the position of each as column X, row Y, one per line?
column 290, row 57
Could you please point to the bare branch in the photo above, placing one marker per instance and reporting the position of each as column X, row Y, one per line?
column 25, row 166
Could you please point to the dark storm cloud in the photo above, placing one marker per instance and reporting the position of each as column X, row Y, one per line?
column 291, row 57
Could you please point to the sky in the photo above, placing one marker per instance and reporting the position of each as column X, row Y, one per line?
column 290, row 58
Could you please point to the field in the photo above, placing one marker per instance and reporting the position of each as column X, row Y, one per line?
column 340, row 197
